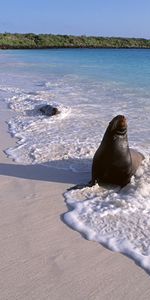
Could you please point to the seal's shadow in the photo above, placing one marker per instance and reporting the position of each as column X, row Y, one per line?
column 47, row 172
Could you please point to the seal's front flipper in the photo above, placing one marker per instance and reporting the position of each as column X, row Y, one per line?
column 137, row 158
column 81, row 186
column 91, row 183
column 77, row 187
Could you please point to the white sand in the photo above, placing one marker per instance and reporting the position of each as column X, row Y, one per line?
column 40, row 257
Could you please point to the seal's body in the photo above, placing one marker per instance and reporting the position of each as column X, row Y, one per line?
column 114, row 162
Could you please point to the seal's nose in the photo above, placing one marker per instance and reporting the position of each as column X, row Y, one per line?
column 122, row 122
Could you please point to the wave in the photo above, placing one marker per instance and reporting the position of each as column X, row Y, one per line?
column 117, row 218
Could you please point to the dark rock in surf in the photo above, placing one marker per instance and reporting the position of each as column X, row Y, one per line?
column 49, row 110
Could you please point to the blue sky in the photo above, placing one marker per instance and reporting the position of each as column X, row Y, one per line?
column 126, row 18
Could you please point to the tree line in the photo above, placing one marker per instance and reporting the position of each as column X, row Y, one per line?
column 41, row 41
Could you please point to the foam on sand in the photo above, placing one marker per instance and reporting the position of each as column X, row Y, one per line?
column 117, row 218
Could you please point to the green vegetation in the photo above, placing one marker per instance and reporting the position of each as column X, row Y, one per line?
column 40, row 41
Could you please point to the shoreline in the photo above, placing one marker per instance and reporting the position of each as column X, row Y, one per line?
column 80, row 48
column 44, row 41
column 41, row 257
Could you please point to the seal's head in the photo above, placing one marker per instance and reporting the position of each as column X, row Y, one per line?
column 118, row 125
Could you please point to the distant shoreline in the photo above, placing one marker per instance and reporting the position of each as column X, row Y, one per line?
column 50, row 41
column 80, row 48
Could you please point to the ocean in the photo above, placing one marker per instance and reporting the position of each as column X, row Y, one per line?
column 89, row 87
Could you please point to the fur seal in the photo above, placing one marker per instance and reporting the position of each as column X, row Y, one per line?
column 114, row 162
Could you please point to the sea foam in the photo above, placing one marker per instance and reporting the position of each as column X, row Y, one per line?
column 75, row 133
column 117, row 218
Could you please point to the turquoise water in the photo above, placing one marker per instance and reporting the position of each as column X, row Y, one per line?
column 89, row 87
column 129, row 67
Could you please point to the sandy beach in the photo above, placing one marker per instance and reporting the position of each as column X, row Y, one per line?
column 40, row 256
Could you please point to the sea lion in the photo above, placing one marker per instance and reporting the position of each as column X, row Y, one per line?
column 114, row 162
